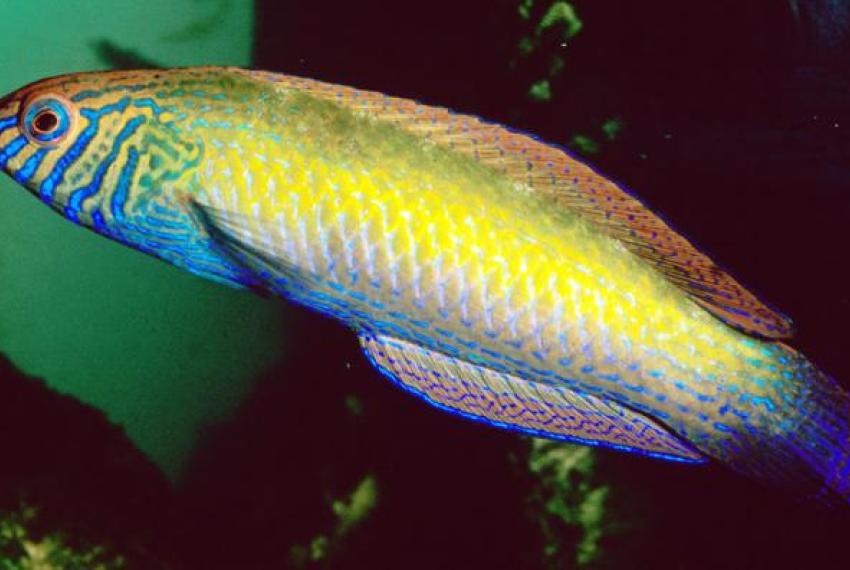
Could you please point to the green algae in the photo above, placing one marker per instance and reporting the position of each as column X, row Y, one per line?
column 567, row 499
column 23, row 547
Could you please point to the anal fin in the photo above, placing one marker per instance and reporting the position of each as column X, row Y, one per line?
column 510, row 402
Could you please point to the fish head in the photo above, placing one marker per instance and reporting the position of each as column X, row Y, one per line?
column 120, row 152
column 86, row 144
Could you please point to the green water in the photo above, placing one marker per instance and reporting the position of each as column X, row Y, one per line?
column 161, row 352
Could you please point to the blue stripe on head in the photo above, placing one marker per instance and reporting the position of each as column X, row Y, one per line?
column 23, row 175
column 8, row 123
column 98, row 223
column 150, row 103
column 87, row 94
column 12, row 149
column 119, row 197
column 78, row 196
column 48, row 186
column 94, row 93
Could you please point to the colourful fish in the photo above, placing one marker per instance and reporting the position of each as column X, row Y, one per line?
column 486, row 272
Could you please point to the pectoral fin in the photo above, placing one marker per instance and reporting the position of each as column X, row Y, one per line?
column 506, row 401
column 234, row 233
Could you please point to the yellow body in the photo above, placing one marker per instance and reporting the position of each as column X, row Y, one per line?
column 400, row 226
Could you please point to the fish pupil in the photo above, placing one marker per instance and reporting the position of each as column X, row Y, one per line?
column 46, row 122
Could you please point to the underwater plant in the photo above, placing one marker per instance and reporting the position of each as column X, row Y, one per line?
column 22, row 549
column 349, row 513
column 73, row 486
column 556, row 25
column 543, row 51
column 566, row 498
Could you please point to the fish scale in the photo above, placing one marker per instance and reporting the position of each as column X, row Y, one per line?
column 485, row 271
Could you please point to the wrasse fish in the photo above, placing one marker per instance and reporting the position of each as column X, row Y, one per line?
column 486, row 272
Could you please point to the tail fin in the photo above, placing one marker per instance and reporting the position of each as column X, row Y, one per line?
column 806, row 448
column 825, row 427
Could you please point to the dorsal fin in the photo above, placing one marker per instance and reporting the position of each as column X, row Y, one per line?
column 551, row 172
column 506, row 401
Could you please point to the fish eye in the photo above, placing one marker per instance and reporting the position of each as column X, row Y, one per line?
column 46, row 120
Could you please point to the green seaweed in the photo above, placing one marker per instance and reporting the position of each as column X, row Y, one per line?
column 567, row 501
column 584, row 144
column 542, row 41
column 23, row 548
column 349, row 513
column 540, row 91
column 354, row 405
column 525, row 46
column 360, row 503
column 612, row 128
column 524, row 9
column 561, row 14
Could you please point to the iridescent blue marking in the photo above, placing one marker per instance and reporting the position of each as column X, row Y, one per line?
column 161, row 237
column 766, row 402
column 48, row 186
column 122, row 190
column 8, row 123
column 86, row 95
column 161, row 210
column 78, row 196
column 165, row 224
column 161, row 144
column 12, row 149
column 148, row 103
column 23, row 175
column 92, row 93
column 98, row 223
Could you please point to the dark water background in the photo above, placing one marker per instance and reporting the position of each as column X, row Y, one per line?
column 735, row 125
